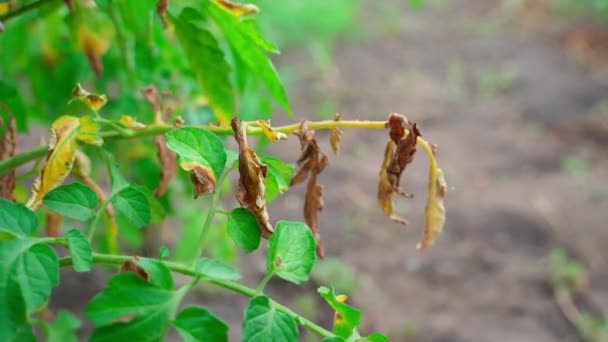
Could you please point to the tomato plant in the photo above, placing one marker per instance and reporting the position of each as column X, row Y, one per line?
column 201, row 56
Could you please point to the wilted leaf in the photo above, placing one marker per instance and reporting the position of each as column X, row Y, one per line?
column 270, row 133
column 131, row 123
column 53, row 224
column 168, row 165
column 93, row 101
column 161, row 9
column 62, row 148
column 434, row 211
column 406, row 149
column 92, row 31
column 240, row 10
column 386, row 191
column 131, row 265
column 252, row 192
column 336, row 136
column 8, row 147
column 312, row 161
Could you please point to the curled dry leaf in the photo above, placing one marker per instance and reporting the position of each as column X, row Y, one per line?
column 53, row 224
column 386, row 191
column 131, row 265
column 239, row 10
column 312, row 161
column 168, row 165
column 405, row 151
column 202, row 178
column 252, row 173
column 270, row 133
column 131, row 123
column 65, row 132
column 161, row 10
column 8, row 147
column 336, row 136
column 434, row 211
column 93, row 101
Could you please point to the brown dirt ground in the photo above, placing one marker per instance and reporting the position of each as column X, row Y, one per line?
column 510, row 109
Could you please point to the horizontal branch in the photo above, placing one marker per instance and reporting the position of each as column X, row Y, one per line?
column 110, row 259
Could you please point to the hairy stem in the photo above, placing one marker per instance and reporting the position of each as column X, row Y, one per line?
column 229, row 285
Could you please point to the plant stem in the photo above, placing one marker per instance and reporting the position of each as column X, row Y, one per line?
column 99, row 213
column 23, row 9
column 264, row 281
column 229, row 285
column 153, row 130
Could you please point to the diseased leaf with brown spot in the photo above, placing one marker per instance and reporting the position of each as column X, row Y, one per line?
column 168, row 165
column 93, row 101
column 252, row 173
column 311, row 161
column 386, row 191
column 336, row 136
column 93, row 32
column 405, row 151
column 131, row 122
column 8, row 147
column 161, row 10
column 202, row 178
column 53, row 224
column 239, row 10
column 131, row 265
column 434, row 211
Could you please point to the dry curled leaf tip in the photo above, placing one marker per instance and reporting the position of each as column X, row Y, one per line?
column 131, row 265
column 161, row 10
column 168, row 165
column 336, row 136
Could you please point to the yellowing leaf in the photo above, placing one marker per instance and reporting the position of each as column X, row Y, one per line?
column 131, row 122
column 386, row 191
column 270, row 133
column 93, row 101
column 434, row 211
column 336, row 136
column 239, row 10
column 92, row 31
column 89, row 131
column 65, row 132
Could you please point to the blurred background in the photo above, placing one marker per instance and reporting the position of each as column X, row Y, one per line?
column 515, row 94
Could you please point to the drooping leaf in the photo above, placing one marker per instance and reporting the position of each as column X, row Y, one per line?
column 386, row 191
column 201, row 153
column 62, row 148
column 291, row 252
column 405, row 151
column 244, row 229
column 132, row 202
column 216, row 269
column 346, row 318
column 36, row 272
column 247, row 43
column 434, row 211
column 74, row 200
column 270, row 133
column 132, row 309
column 277, row 178
column 200, row 48
column 94, row 101
column 80, row 250
column 264, row 323
column 92, row 31
column 8, row 147
column 63, row 328
column 336, row 136
column 311, row 161
column 196, row 324
column 239, row 10
column 251, row 193
column 16, row 219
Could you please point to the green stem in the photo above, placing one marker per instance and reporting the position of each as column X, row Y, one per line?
column 99, row 214
column 264, row 281
column 153, row 130
column 23, row 9
column 229, row 285
column 210, row 213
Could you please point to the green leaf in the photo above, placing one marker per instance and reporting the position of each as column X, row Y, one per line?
column 160, row 275
column 195, row 324
column 76, row 201
column 63, row 329
column 163, row 252
column 244, row 229
column 80, row 250
column 291, row 251
column 148, row 306
column 207, row 62
column 264, row 323
column 277, row 178
column 137, row 17
column 216, row 269
column 347, row 318
column 133, row 204
column 116, row 179
column 416, row 3
column 247, row 42
column 36, row 272
column 16, row 219
column 376, row 337
column 333, row 339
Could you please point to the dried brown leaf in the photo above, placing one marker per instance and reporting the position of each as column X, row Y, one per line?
column 161, row 10
column 8, row 147
column 252, row 173
column 405, row 151
column 386, row 191
column 202, row 178
column 53, row 224
column 336, row 136
column 434, row 211
column 168, row 165
column 131, row 265
column 311, row 161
